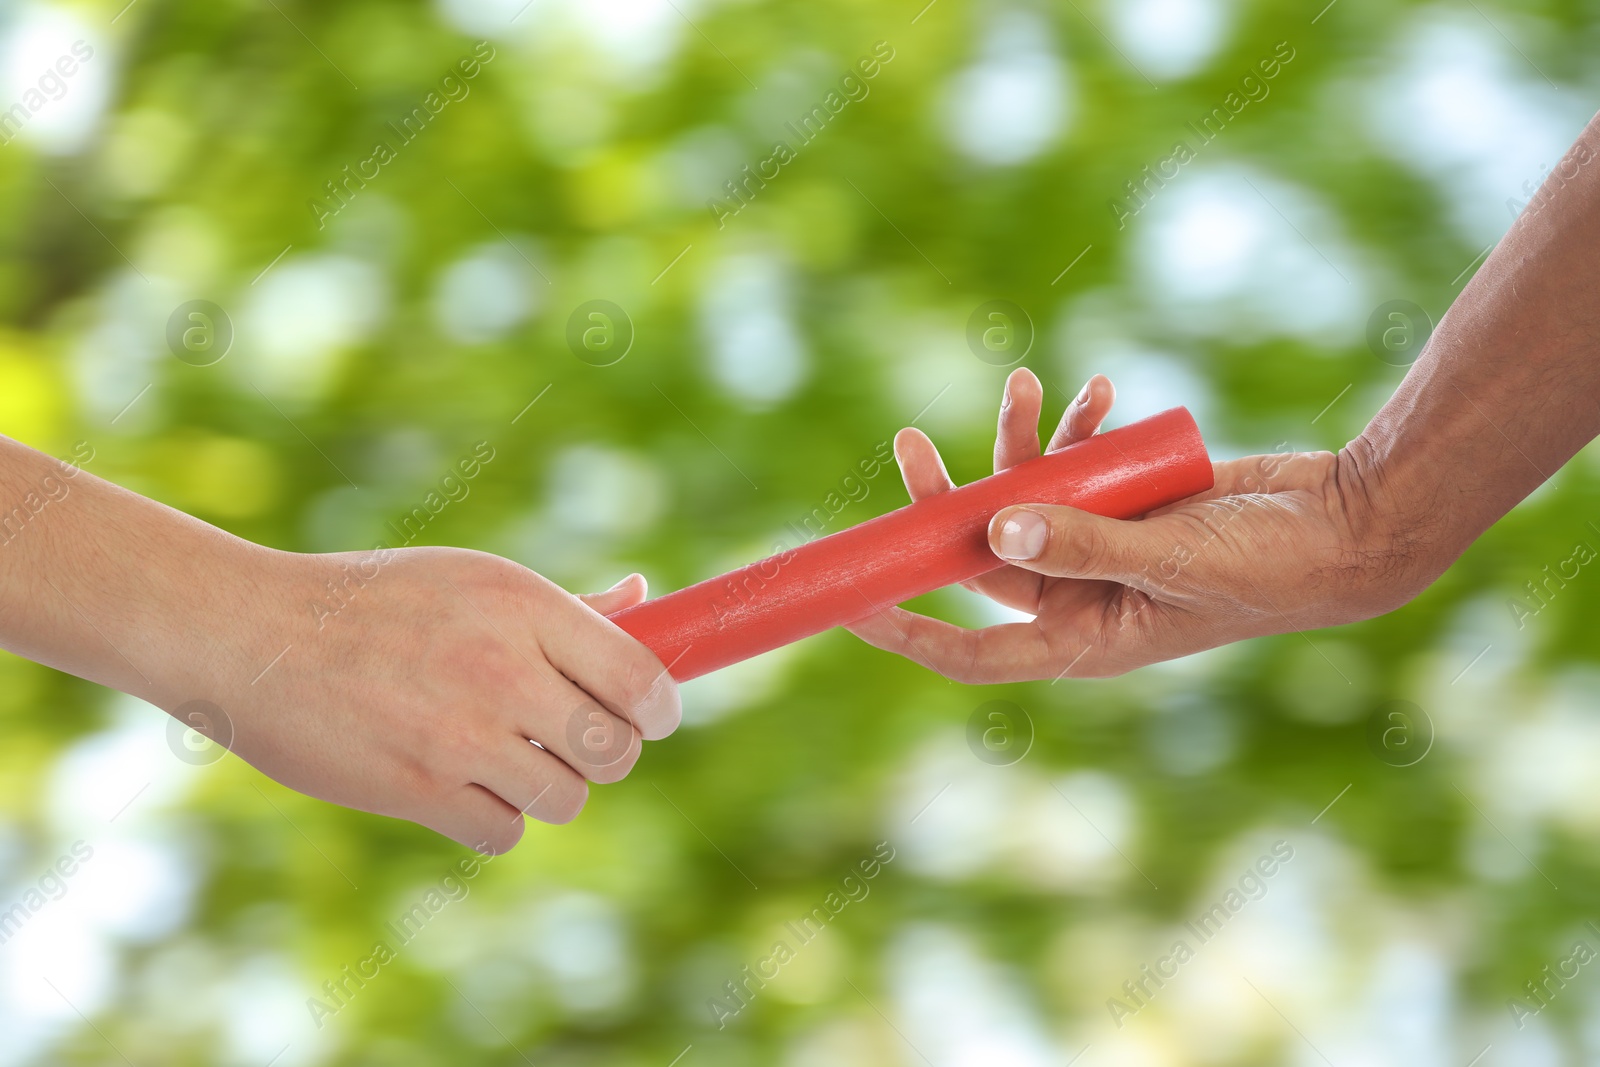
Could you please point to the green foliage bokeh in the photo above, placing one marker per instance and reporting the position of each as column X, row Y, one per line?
column 568, row 162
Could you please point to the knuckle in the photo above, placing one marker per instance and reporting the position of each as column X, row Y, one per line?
column 487, row 668
column 456, row 744
column 487, row 572
column 607, row 768
column 417, row 778
column 1080, row 546
column 599, row 745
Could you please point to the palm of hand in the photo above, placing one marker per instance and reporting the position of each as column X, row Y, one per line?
column 1243, row 559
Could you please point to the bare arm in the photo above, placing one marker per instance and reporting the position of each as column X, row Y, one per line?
column 418, row 698
column 1507, row 390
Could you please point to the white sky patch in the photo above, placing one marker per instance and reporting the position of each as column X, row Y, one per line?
column 638, row 34
column 1073, row 846
column 124, row 883
column 1149, row 380
column 492, row 18
column 1092, row 338
column 580, row 940
column 123, row 351
column 935, row 378
column 303, row 316
column 264, row 1013
column 1192, row 735
column 110, row 790
column 1239, row 253
column 53, row 949
column 1536, row 1043
column 1015, row 101
column 1484, row 643
column 986, row 612
column 1285, row 939
column 485, row 294
column 607, row 492
column 178, row 986
column 1204, row 667
column 757, row 355
column 948, row 804
column 1410, row 1008
column 1461, row 108
column 72, row 104
column 97, row 776
column 136, row 887
column 955, row 817
column 1168, row 39
column 134, row 884
column 959, row 1008
column 1101, row 813
column 1544, row 761
column 715, row 696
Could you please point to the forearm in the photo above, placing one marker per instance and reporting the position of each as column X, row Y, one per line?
column 1508, row 388
column 417, row 698
column 112, row 587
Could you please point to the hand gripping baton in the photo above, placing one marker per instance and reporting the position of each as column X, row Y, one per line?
column 938, row 541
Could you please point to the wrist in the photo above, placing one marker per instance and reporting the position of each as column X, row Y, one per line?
column 232, row 614
column 1403, row 531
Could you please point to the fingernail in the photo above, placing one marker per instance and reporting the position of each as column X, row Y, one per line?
column 622, row 583
column 1083, row 394
column 1005, row 396
column 1022, row 535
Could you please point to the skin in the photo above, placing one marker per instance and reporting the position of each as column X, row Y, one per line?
column 418, row 699
column 1502, row 396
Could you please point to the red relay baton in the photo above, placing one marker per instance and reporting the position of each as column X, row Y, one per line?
column 938, row 541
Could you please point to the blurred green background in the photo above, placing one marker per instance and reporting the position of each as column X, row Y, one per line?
column 375, row 335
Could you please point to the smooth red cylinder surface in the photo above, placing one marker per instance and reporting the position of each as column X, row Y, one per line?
column 939, row 541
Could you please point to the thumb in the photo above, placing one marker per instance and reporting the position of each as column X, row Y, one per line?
column 1069, row 543
column 625, row 594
